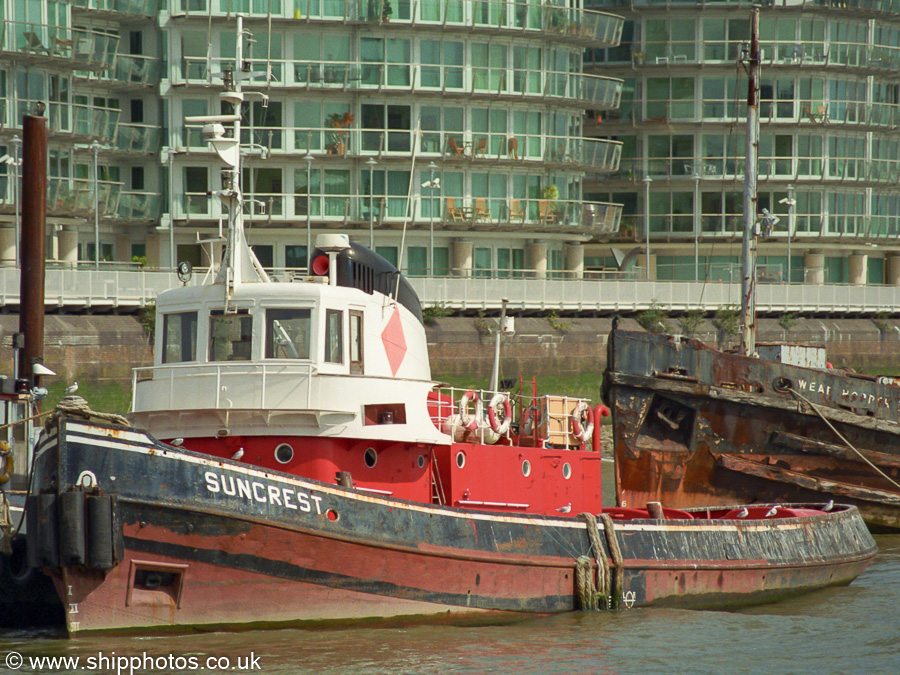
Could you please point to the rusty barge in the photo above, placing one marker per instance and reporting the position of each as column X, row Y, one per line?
column 697, row 427
column 693, row 426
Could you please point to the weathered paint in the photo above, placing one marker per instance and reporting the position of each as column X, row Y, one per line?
column 233, row 559
column 696, row 427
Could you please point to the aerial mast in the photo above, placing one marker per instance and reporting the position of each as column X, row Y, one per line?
column 748, row 247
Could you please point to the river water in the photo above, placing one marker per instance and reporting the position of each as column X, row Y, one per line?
column 853, row 629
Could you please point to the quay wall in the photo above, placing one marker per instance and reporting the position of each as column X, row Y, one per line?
column 107, row 347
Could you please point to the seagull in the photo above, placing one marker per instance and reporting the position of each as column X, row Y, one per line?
column 743, row 513
column 828, row 506
column 771, row 512
column 238, row 454
column 176, row 442
column 71, row 389
column 39, row 393
column 565, row 509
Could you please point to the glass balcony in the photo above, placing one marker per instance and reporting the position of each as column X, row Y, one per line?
column 137, row 7
column 77, row 196
column 597, row 29
column 43, row 43
column 142, row 138
column 138, row 206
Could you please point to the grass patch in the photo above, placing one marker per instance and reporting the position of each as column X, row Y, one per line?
column 107, row 396
column 584, row 385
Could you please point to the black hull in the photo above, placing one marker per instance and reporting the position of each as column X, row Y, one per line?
column 189, row 546
column 694, row 427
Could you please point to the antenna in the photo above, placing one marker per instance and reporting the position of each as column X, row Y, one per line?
column 239, row 264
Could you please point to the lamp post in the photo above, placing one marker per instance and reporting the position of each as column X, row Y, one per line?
column 95, row 148
column 309, row 161
column 371, row 164
column 791, row 202
column 647, row 181
column 16, row 142
column 429, row 268
column 697, row 215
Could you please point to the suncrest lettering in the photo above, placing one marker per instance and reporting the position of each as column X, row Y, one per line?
column 254, row 491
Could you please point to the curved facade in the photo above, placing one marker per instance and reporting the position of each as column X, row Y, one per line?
column 456, row 123
column 829, row 111
column 95, row 66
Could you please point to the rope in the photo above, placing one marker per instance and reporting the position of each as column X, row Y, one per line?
column 592, row 594
column 5, row 527
column 618, row 564
column 78, row 407
column 839, row 435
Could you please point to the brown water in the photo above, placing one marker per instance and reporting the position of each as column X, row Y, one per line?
column 853, row 630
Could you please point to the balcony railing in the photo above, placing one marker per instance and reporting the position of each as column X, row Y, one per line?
column 138, row 7
column 84, row 49
column 142, row 138
column 576, row 216
column 577, row 89
column 579, row 26
column 474, row 147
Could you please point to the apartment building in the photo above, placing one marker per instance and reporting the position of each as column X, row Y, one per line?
column 446, row 133
column 829, row 153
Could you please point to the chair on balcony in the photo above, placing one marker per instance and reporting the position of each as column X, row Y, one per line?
column 481, row 210
column 547, row 212
column 512, row 147
column 480, row 148
column 455, row 150
column 33, row 43
column 515, row 211
column 454, row 213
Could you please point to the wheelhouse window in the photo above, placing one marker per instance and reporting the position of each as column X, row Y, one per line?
column 334, row 336
column 179, row 337
column 287, row 333
column 230, row 336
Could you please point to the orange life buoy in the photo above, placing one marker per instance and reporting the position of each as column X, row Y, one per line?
column 500, row 426
column 467, row 421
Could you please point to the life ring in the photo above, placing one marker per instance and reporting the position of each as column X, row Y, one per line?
column 7, row 463
column 501, row 427
column 583, row 421
column 467, row 421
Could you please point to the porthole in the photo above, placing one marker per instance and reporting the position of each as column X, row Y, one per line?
column 332, row 515
column 567, row 471
column 526, row 468
column 460, row 459
column 284, row 453
column 420, row 461
column 371, row 457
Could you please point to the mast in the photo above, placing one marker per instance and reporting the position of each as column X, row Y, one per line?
column 239, row 264
column 748, row 244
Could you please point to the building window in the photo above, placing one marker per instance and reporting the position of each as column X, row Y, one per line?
column 196, row 185
column 295, row 256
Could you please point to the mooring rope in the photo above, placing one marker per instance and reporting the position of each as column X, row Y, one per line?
column 839, row 435
column 618, row 564
column 595, row 596
column 78, row 407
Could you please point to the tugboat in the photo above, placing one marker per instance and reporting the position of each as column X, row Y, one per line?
column 289, row 458
column 698, row 427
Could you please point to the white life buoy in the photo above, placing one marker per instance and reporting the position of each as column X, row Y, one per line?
column 583, row 421
column 468, row 421
column 500, row 426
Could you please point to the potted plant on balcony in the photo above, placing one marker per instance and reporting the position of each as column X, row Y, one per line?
column 340, row 123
